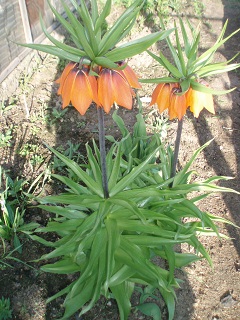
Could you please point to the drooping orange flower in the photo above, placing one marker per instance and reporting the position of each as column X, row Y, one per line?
column 78, row 87
column 114, row 87
column 178, row 104
column 161, row 95
column 197, row 100
column 168, row 96
column 129, row 75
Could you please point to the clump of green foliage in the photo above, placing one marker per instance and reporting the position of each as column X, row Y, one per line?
column 13, row 202
column 5, row 310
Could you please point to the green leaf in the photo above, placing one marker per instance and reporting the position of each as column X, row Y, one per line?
column 150, row 309
column 51, row 50
column 61, row 292
column 135, row 257
column 122, row 294
column 59, row 44
column 160, row 80
column 128, row 204
column 88, row 25
column 105, row 62
column 67, row 26
column 166, row 64
column 103, row 15
column 150, row 241
column 66, row 212
column 207, row 55
column 111, row 37
column 178, row 57
column 192, row 55
column 129, row 178
column 180, row 175
column 187, row 45
column 94, row 166
column 123, row 274
column 90, row 183
column 135, row 47
column 217, row 68
column 169, row 299
column 185, row 85
column 80, row 31
column 100, row 269
column 42, row 241
column 73, row 303
column 113, row 33
column 28, row 226
column 112, row 243
column 202, row 88
column 87, row 201
column 74, row 186
column 114, row 174
column 65, row 266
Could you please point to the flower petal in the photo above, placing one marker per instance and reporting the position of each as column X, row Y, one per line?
column 198, row 100
column 156, row 93
column 180, row 105
column 161, row 95
column 64, row 75
column 81, row 94
column 105, row 89
column 130, row 76
column 122, row 91
column 68, row 85
column 92, row 81
column 208, row 103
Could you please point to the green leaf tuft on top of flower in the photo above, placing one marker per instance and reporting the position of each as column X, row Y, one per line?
column 92, row 42
column 187, row 71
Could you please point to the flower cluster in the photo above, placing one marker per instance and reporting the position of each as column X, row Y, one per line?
column 169, row 96
column 109, row 86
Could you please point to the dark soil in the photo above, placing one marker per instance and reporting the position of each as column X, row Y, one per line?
column 206, row 293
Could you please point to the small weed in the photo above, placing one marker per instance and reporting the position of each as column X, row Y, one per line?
column 34, row 130
column 198, row 7
column 7, row 105
column 158, row 124
column 27, row 149
column 5, row 310
column 148, row 308
column 36, row 160
column 72, row 152
column 55, row 116
column 5, row 138
column 30, row 151
column 81, row 124
column 13, row 203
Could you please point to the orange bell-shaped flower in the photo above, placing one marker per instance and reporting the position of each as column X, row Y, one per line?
column 129, row 75
column 113, row 87
column 198, row 100
column 168, row 96
column 161, row 95
column 178, row 104
column 78, row 87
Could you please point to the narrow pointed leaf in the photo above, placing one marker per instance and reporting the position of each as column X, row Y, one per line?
column 90, row 183
column 128, row 179
column 202, row 88
column 52, row 50
column 136, row 46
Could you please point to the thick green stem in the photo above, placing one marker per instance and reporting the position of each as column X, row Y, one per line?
column 103, row 151
column 176, row 148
